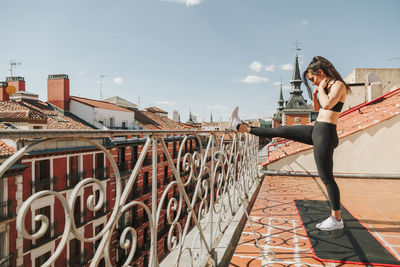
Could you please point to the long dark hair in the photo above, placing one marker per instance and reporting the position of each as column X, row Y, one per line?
column 321, row 63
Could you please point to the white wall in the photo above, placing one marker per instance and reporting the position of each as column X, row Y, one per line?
column 119, row 116
column 93, row 115
column 372, row 150
column 83, row 111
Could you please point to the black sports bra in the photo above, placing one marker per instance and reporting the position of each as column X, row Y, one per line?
column 339, row 105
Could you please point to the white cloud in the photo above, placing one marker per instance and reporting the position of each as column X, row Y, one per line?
column 164, row 102
column 118, row 80
column 254, row 79
column 277, row 83
column 81, row 72
column 270, row 68
column 186, row 2
column 256, row 66
column 304, row 22
column 286, row 66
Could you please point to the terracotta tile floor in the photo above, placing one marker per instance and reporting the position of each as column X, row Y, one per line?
column 376, row 203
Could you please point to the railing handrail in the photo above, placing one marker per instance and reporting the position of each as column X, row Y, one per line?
column 213, row 178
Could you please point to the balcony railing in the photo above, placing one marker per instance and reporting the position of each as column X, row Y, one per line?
column 5, row 210
column 197, row 208
column 123, row 168
column 74, row 178
column 42, row 184
column 101, row 173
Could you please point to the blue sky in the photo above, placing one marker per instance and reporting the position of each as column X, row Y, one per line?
column 203, row 55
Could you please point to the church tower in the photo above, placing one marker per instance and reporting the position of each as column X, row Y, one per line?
column 296, row 111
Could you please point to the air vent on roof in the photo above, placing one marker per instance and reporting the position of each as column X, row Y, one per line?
column 16, row 78
column 58, row 76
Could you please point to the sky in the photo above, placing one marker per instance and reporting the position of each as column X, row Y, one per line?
column 203, row 56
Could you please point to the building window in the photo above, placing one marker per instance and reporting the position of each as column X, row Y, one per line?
column 123, row 125
column 46, row 212
column 99, row 171
column 134, row 155
column 74, row 176
column 3, row 245
column 39, row 261
column 146, row 185
column 37, row 127
column 75, row 252
column 112, row 122
column 77, row 211
column 97, row 230
column 42, row 175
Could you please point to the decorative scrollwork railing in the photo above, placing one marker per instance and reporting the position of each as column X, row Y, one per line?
column 201, row 197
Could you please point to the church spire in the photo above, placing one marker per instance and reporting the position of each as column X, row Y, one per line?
column 296, row 78
column 280, row 101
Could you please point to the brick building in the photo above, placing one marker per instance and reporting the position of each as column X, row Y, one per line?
column 61, row 165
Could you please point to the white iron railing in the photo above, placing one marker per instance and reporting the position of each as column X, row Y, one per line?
column 222, row 170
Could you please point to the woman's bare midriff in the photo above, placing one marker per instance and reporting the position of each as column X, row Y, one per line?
column 328, row 116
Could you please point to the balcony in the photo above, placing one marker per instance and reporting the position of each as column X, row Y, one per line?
column 5, row 210
column 42, row 184
column 101, row 173
column 74, row 178
column 123, row 168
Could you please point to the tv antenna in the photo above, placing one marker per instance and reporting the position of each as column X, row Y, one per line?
column 101, row 86
column 13, row 64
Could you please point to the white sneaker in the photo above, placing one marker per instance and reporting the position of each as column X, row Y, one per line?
column 330, row 224
column 235, row 120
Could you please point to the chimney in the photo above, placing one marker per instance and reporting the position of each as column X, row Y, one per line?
column 17, row 82
column 58, row 91
column 3, row 94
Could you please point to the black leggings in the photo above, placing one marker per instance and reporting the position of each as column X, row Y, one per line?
column 323, row 137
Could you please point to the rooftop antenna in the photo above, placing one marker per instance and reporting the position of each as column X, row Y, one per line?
column 13, row 64
column 138, row 103
column 296, row 43
column 101, row 85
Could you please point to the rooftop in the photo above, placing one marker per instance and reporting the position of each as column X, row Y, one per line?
column 99, row 104
column 350, row 121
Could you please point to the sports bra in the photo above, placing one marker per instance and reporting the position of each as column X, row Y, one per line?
column 339, row 105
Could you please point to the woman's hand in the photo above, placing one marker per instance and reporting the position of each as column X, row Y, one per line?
column 323, row 84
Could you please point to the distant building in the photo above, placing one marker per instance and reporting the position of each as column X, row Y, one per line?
column 61, row 165
column 175, row 116
column 368, row 83
column 277, row 119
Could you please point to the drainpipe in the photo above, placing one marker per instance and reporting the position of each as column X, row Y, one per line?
column 337, row 175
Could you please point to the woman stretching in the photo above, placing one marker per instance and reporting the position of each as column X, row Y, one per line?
column 328, row 98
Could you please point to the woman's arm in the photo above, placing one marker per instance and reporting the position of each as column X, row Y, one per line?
column 316, row 104
column 327, row 101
